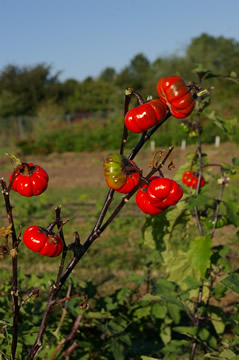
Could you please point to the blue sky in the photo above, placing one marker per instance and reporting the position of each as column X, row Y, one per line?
column 82, row 37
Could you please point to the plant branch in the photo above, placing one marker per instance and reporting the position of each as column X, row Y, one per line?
column 145, row 137
column 216, row 213
column 97, row 230
column 15, row 243
column 199, row 152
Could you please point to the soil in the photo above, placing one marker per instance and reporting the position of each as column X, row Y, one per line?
column 71, row 170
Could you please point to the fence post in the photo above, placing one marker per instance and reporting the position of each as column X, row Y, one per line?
column 68, row 118
column 183, row 145
column 217, row 141
column 20, row 128
column 152, row 145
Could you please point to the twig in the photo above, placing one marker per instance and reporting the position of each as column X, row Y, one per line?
column 14, row 292
column 68, row 339
column 97, row 230
column 64, row 310
column 199, row 152
column 216, row 213
column 34, row 293
column 64, row 251
column 128, row 94
column 145, row 137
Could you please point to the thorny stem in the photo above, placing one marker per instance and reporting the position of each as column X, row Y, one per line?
column 199, row 151
column 128, row 94
column 15, row 243
column 217, row 208
column 97, row 230
column 201, row 166
column 145, row 137
column 64, row 251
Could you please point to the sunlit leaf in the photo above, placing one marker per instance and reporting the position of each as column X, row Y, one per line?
column 199, row 253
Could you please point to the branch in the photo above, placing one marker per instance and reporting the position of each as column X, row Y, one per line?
column 34, row 293
column 97, row 230
column 146, row 136
column 15, row 242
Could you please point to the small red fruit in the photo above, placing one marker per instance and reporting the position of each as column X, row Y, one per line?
column 158, row 195
column 43, row 241
column 120, row 173
column 190, row 178
column 145, row 116
column 174, row 92
column 29, row 180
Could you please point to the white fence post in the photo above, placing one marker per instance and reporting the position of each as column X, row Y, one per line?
column 152, row 145
column 183, row 145
column 217, row 141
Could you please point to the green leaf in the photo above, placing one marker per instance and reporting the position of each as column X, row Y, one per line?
column 227, row 354
column 232, row 209
column 232, row 281
column 159, row 311
column 199, row 254
column 117, row 349
column 149, row 239
column 218, row 323
column 98, row 315
column 174, row 346
column 235, row 161
column 150, row 298
column 142, row 312
column 200, row 201
column 226, row 125
column 185, row 330
column 174, row 312
column 192, row 283
column 148, row 358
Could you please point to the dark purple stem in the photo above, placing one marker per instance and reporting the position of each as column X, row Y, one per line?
column 15, row 243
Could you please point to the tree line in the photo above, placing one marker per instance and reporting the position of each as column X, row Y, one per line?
column 35, row 90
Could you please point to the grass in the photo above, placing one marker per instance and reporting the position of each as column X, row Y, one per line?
column 117, row 251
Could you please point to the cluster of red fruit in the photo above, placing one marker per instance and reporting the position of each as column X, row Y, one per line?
column 31, row 180
column 174, row 96
column 153, row 197
column 123, row 175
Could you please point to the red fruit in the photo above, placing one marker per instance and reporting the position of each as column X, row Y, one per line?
column 29, row 180
column 190, row 178
column 40, row 240
column 145, row 116
column 120, row 173
column 158, row 195
column 173, row 91
column 145, row 205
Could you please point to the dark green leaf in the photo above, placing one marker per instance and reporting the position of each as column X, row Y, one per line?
column 189, row 331
column 159, row 311
column 199, row 253
column 232, row 212
column 232, row 281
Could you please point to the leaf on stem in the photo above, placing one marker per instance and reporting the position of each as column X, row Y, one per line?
column 199, row 254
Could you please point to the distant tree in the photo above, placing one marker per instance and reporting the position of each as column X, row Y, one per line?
column 136, row 74
column 31, row 85
column 9, row 104
column 216, row 53
column 93, row 95
column 108, row 74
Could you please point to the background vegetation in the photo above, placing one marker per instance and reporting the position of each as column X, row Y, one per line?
column 142, row 279
column 36, row 92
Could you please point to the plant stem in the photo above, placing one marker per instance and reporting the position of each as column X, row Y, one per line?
column 97, row 230
column 145, row 137
column 199, row 151
column 14, row 292
column 217, row 208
